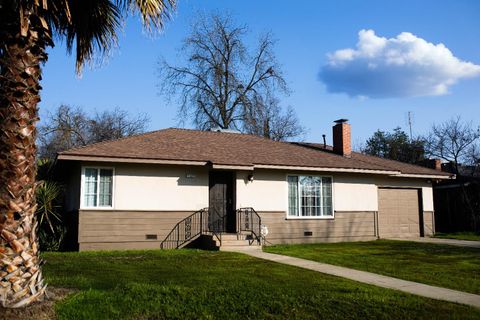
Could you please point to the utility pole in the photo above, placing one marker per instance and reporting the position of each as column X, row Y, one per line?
column 410, row 121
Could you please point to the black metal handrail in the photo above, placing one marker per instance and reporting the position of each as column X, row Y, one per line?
column 216, row 224
column 249, row 220
column 208, row 221
column 186, row 230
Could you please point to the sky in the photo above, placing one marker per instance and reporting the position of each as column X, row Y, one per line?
column 370, row 61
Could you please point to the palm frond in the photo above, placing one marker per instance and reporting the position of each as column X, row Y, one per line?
column 154, row 13
column 89, row 26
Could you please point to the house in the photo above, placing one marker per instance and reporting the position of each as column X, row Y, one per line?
column 138, row 191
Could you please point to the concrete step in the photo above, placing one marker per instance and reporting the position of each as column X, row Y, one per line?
column 241, row 248
column 234, row 236
column 236, row 242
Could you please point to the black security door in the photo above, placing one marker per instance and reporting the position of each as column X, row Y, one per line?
column 222, row 206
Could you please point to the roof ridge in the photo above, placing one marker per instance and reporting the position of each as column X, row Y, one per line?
column 229, row 133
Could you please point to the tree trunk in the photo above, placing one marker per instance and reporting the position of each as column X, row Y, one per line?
column 22, row 50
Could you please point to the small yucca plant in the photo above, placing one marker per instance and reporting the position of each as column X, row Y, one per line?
column 51, row 228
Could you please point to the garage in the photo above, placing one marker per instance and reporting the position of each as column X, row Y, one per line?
column 399, row 213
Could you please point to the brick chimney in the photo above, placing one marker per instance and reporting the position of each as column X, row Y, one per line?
column 341, row 138
column 432, row 164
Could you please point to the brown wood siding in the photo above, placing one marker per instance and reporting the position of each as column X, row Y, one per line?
column 398, row 213
column 121, row 230
column 428, row 222
column 113, row 230
column 347, row 226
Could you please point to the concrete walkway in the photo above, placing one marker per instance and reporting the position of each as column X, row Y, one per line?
column 452, row 242
column 372, row 278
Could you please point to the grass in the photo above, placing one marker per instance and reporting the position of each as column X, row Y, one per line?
column 472, row 236
column 440, row 265
column 191, row 284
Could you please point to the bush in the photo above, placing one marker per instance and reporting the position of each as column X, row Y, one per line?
column 51, row 228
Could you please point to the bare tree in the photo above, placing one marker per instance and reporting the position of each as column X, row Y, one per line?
column 266, row 118
column 473, row 158
column 69, row 127
column 116, row 124
column 63, row 129
column 452, row 141
column 221, row 81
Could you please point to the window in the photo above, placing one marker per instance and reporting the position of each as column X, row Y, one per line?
column 309, row 196
column 97, row 187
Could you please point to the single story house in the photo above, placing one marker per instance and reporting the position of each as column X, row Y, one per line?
column 133, row 192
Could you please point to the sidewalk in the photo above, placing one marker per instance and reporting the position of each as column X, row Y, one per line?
column 372, row 278
column 451, row 242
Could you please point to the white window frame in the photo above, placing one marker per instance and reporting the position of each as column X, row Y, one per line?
column 299, row 217
column 82, row 187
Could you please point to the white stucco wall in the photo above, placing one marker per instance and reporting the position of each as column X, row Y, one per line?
column 427, row 193
column 160, row 187
column 267, row 192
column 351, row 192
column 355, row 193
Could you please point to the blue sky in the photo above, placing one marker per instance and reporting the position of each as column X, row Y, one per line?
column 306, row 32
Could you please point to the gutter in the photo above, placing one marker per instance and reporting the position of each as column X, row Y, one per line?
column 453, row 186
column 326, row 169
column 425, row 176
column 392, row 173
column 232, row 167
column 130, row 160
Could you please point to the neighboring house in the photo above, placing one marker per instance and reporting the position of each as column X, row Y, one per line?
column 458, row 201
column 132, row 192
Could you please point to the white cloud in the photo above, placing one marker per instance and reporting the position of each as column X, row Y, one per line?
column 404, row 66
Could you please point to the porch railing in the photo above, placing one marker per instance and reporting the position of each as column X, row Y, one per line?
column 186, row 230
column 249, row 220
column 216, row 224
column 207, row 221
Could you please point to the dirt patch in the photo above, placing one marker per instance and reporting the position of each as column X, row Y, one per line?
column 39, row 311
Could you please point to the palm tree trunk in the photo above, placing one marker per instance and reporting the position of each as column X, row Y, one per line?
column 22, row 50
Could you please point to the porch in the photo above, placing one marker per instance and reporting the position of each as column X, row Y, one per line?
column 210, row 229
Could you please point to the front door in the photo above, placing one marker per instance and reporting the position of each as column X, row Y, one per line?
column 221, row 202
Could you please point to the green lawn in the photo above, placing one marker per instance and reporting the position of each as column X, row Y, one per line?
column 190, row 284
column 472, row 236
column 440, row 265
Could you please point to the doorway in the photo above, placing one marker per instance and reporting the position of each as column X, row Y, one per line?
column 222, row 216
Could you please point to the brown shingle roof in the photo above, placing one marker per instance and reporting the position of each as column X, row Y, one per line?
column 404, row 168
column 221, row 148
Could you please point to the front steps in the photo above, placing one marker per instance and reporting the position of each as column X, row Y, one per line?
column 230, row 242
column 235, row 242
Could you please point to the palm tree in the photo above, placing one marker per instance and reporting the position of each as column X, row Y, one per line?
column 27, row 28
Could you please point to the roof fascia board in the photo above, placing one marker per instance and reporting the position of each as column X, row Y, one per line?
column 232, row 167
column 426, row 176
column 326, row 169
column 130, row 160
column 248, row 168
